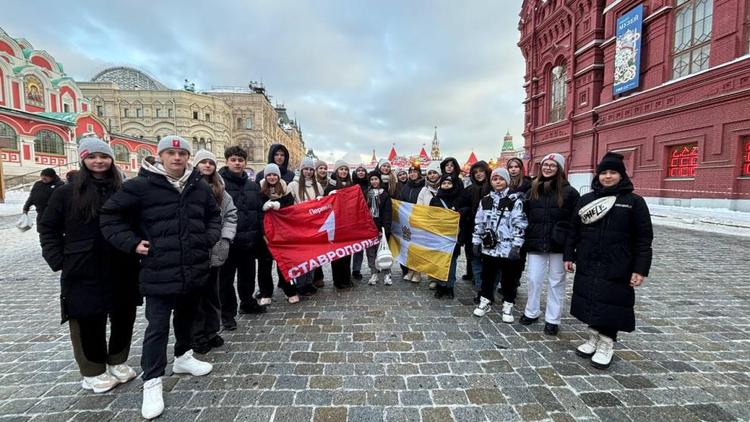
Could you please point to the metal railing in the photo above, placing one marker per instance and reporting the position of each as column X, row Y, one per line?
column 20, row 181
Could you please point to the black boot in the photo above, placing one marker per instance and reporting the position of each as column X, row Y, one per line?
column 357, row 275
column 439, row 291
column 251, row 307
column 449, row 293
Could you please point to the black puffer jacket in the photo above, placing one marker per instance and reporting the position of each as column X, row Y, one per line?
column 456, row 170
column 94, row 274
column 410, row 190
column 470, row 198
column 543, row 213
column 286, row 174
column 607, row 252
column 246, row 197
column 181, row 227
column 40, row 195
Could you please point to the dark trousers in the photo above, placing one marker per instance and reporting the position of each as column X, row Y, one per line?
column 158, row 312
column 89, row 338
column 469, row 252
column 342, row 277
column 207, row 318
column 516, row 271
column 318, row 274
column 241, row 262
column 265, row 278
column 491, row 266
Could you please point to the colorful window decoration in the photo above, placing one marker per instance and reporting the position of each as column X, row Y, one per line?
column 33, row 91
column 746, row 158
column 683, row 160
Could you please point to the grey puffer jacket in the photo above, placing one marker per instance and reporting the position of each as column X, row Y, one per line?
column 219, row 253
column 510, row 228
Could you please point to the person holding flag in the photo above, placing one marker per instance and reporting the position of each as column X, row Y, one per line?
column 340, row 268
column 447, row 197
column 303, row 189
column 359, row 178
column 410, row 193
column 274, row 196
column 321, row 174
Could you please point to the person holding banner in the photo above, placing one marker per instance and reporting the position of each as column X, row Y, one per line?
column 379, row 203
column 340, row 268
column 549, row 208
column 274, row 196
column 497, row 239
column 610, row 242
column 207, row 320
column 359, row 178
column 321, row 174
column 389, row 180
column 448, row 197
column 306, row 188
column 410, row 193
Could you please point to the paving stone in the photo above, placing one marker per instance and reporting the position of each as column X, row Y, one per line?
column 600, row 400
column 330, row 414
column 437, row 414
column 485, row 396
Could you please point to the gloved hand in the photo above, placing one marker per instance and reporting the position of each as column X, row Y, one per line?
column 318, row 197
column 267, row 205
column 332, row 192
column 515, row 253
column 275, row 205
column 477, row 249
column 220, row 252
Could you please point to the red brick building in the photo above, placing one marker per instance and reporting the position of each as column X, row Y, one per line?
column 43, row 114
column 683, row 123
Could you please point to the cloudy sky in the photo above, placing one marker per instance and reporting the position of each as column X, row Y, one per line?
column 357, row 74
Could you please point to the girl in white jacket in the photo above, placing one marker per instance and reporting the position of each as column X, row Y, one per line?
column 303, row 189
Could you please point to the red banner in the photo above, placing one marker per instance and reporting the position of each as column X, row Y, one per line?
column 306, row 236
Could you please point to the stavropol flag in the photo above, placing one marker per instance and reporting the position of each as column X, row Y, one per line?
column 423, row 237
column 306, row 236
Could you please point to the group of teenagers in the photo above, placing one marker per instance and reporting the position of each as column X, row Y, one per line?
column 180, row 233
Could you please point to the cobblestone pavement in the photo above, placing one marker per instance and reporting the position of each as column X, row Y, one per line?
column 397, row 354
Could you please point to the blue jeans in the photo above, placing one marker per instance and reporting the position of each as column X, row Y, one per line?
column 476, row 268
column 357, row 259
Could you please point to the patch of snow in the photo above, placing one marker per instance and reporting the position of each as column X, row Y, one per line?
column 14, row 201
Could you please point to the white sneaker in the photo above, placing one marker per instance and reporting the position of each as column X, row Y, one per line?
column 507, row 312
column 409, row 275
column 264, row 301
column 433, row 285
column 122, row 372
column 293, row 299
column 187, row 364
column 387, row 280
column 483, row 307
column 416, row 277
column 373, row 280
column 604, row 351
column 153, row 402
column 587, row 349
column 100, row 383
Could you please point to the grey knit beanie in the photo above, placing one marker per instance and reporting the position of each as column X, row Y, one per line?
column 92, row 144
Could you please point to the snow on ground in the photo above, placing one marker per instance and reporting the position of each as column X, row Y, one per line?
column 709, row 220
column 14, row 201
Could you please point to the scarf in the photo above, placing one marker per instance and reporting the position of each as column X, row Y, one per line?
column 373, row 196
column 158, row 168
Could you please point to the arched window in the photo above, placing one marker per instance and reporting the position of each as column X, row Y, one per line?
column 8, row 137
column 142, row 154
column 239, row 123
column 48, row 142
column 202, row 143
column 121, row 153
column 558, row 93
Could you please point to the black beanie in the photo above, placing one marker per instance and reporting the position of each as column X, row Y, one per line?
column 377, row 174
column 49, row 172
column 612, row 161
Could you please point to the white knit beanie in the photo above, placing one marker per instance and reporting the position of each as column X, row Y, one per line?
column 307, row 163
column 339, row 164
column 203, row 154
column 557, row 158
column 271, row 168
column 502, row 173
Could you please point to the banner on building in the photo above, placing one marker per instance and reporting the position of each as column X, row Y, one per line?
column 423, row 238
column 628, row 50
column 306, row 236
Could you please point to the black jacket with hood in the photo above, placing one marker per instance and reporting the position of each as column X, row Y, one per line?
column 456, row 170
column 286, row 174
column 607, row 252
column 180, row 226
column 246, row 197
column 94, row 273
column 40, row 195
column 450, row 199
column 470, row 198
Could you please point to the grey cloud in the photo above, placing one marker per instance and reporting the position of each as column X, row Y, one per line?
column 358, row 74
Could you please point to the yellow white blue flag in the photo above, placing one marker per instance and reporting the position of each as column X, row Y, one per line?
column 423, row 237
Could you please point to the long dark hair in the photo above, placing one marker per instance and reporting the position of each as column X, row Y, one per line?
column 217, row 186
column 516, row 181
column 87, row 201
column 340, row 183
column 301, row 188
column 554, row 184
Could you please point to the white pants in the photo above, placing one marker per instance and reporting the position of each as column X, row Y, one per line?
column 539, row 263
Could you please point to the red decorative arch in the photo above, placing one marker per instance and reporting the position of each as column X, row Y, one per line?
column 72, row 93
column 12, row 123
column 41, row 62
column 36, row 128
column 6, row 48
